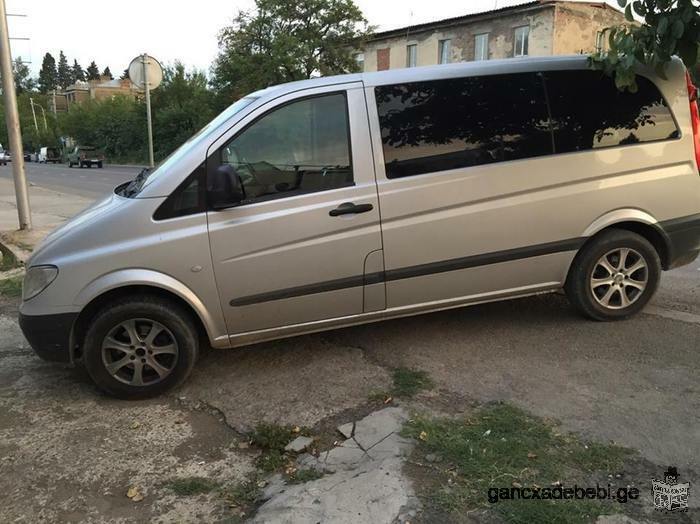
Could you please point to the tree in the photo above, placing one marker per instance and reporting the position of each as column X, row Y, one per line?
column 284, row 40
column 93, row 72
column 77, row 73
column 125, row 74
column 107, row 73
column 671, row 27
column 23, row 79
column 63, row 73
column 47, row 74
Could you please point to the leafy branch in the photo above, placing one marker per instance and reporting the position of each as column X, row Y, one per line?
column 670, row 28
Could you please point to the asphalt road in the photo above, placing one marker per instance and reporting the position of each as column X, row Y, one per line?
column 87, row 182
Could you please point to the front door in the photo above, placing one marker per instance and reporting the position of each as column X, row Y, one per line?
column 294, row 250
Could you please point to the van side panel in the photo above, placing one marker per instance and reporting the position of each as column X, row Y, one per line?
column 540, row 207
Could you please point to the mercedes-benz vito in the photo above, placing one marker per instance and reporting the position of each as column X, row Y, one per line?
column 343, row 200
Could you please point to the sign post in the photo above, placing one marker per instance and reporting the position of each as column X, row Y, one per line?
column 146, row 73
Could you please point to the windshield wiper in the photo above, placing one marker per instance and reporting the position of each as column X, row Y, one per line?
column 137, row 183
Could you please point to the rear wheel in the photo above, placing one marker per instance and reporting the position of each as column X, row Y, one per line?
column 614, row 275
column 141, row 347
column 99, row 165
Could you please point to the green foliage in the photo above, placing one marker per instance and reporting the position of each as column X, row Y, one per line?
column 76, row 72
column 285, row 40
column 117, row 125
column 23, row 78
column 107, row 73
column 502, row 445
column 48, row 75
column 188, row 486
column 64, row 75
column 409, row 382
column 671, row 27
column 301, row 476
column 93, row 72
column 11, row 287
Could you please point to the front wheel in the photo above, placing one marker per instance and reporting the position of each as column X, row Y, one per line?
column 614, row 275
column 140, row 347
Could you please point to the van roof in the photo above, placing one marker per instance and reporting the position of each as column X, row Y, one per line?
column 417, row 74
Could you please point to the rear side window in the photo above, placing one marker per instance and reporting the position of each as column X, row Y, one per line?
column 589, row 112
column 449, row 124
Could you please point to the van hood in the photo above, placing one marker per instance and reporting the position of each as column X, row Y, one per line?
column 79, row 222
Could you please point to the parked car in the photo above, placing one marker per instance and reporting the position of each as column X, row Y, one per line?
column 49, row 154
column 5, row 157
column 496, row 180
column 85, row 156
column 27, row 156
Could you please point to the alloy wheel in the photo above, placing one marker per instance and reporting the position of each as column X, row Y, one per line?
column 619, row 278
column 139, row 352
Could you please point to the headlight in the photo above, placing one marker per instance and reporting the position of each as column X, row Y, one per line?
column 37, row 279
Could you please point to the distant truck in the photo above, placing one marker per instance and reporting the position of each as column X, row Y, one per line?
column 49, row 154
column 83, row 156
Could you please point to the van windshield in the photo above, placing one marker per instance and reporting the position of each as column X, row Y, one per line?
column 147, row 176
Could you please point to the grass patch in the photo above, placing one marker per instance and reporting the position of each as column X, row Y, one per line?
column 8, row 260
column 409, row 382
column 188, row 486
column 244, row 494
column 304, row 475
column 502, row 446
column 271, row 439
column 11, row 287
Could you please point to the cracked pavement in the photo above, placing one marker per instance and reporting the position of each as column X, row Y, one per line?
column 68, row 453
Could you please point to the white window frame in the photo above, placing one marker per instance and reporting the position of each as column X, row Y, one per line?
column 445, row 51
column 521, row 40
column 411, row 55
column 600, row 41
column 484, row 38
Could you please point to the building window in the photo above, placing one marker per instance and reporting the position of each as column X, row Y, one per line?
column 411, row 55
column 599, row 42
column 481, row 47
column 522, row 35
column 360, row 59
column 444, row 49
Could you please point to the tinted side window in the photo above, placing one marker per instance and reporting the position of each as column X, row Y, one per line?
column 301, row 147
column 589, row 112
column 449, row 124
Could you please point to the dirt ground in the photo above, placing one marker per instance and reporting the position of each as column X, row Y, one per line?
column 68, row 453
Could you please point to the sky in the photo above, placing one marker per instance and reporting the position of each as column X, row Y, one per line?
column 112, row 33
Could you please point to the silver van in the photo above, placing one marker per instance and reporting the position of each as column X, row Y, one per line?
column 343, row 200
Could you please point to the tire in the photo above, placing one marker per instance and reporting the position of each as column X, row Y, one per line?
column 119, row 334
column 603, row 291
column 99, row 165
column 70, row 164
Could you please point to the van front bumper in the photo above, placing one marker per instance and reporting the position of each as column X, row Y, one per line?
column 49, row 335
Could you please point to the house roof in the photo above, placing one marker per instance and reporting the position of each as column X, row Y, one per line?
column 458, row 20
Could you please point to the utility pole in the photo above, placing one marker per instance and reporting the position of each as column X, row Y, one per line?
column 12, row 119
column 31, row 103
column 147, row 87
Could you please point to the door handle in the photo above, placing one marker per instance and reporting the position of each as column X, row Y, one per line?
column 348, row 208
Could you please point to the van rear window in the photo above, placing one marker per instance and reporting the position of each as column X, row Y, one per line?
column 440, row 125
column 589, row 112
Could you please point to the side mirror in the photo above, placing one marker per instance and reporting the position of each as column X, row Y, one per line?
column 225, row 188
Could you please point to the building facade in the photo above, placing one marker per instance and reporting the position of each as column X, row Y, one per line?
column 92, row 89
column 538, row 28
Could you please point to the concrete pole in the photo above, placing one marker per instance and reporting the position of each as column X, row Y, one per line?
column 36, row 126
column 12, row 119
column 43, row 113
column 147, row 87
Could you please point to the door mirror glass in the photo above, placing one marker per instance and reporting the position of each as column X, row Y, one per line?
column 224, row 187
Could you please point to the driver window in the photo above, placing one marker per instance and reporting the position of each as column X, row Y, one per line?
column 302, row 147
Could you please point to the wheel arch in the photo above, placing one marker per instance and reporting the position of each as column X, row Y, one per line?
column 635, row 221
column 130, row 282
